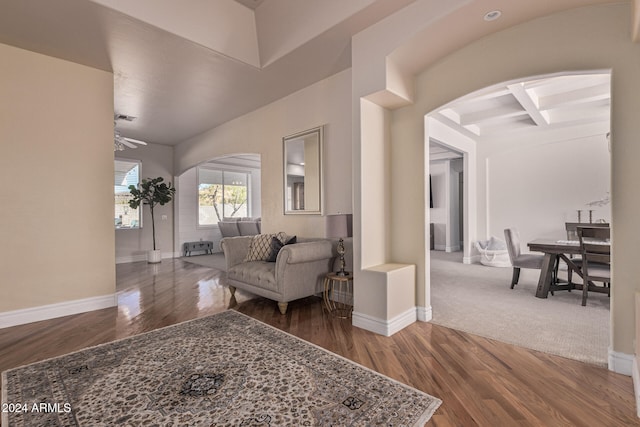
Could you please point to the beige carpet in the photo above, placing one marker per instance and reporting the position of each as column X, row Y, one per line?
column 223, row 370
column 477, row 299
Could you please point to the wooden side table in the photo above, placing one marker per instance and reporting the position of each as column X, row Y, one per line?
column 338, row 295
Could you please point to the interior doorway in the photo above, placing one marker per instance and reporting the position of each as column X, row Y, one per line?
column 519, row 141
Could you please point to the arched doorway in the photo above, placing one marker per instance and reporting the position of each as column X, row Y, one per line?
column 521, row 141
column 197, row 213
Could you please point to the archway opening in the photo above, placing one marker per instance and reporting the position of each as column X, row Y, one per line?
column 224, row 187
column 535, row 153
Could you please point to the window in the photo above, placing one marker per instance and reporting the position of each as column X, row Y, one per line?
column 127, row 172
column 222, row 194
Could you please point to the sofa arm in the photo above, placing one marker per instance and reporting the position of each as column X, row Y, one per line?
column 235, row 249
column 305, row 252
column 300, row 268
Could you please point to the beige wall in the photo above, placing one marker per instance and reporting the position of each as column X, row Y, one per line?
column 56, row 169
column 588, row 38
column 324, row 103
column 132, row 245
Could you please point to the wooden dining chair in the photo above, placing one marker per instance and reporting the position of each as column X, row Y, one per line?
column 596, row 260
column 572, row 235
column 518, row 259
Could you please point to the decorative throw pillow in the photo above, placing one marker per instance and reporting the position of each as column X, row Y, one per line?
column 260, row 247
column 276, row 245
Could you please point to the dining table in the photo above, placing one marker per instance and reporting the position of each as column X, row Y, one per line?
column 553, row 251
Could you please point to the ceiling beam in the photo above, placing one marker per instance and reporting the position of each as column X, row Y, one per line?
column 491, row 115
column 456, row 126
column 579, row 96
column 529, row 104
column 581, row 114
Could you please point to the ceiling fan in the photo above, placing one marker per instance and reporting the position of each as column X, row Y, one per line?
column 121, row 142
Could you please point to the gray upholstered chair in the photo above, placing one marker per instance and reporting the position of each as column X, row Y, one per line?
column 596, row 260
column 572, row 235
column 518, row 259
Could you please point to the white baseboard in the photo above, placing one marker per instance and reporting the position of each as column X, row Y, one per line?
column 424, row 314
column 384, row 327
column 621, row 363
column 635, row 374
column 143, row 257
column 51, row 311
column 473, row 259
column 131, row 258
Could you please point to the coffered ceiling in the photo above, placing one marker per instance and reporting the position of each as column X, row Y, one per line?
column 528, row 106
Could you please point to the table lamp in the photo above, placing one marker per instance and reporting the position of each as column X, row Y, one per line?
column 340, row 226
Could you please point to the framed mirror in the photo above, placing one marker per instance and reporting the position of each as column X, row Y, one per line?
column 303, row 172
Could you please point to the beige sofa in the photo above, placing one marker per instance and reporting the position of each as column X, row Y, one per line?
column 232, row 227
column 298, row 271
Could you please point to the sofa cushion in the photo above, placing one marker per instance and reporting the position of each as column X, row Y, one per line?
column 260, row 247
column 248, row 228
column 257, row 273
column 229, row 228
column 276, row 245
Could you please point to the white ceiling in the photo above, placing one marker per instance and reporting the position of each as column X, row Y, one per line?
column 548, row 104
column 183, row 70
column 551, row 102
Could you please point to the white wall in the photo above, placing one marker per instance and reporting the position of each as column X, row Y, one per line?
column 534, row 181
column 456, row 167
column 324, row 103
column 133, row 244
column 539, row 186
column 445, row 212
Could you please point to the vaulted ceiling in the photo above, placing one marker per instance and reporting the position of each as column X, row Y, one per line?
column 183, row 68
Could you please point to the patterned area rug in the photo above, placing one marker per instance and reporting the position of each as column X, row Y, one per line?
column 224, row 370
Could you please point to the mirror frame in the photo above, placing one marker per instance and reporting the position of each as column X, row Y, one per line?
column 320, row 132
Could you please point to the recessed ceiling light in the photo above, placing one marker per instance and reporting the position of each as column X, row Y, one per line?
column 493, row 15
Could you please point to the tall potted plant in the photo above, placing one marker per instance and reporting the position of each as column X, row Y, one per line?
column 152, row 192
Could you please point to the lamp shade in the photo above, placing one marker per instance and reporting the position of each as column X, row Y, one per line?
column 340, row 225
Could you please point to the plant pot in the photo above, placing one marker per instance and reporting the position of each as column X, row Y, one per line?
column 154, row 257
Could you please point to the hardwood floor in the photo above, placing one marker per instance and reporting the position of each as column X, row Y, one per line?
column 481, row 382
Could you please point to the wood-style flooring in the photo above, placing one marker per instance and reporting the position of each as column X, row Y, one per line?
column 481, row 382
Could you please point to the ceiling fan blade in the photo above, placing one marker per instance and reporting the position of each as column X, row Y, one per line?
column 127, row 143
column 137, row 141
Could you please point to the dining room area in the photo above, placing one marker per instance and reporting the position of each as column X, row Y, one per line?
column 556, row 301
column 585, row 253
column 542, row 305
column 544, row 182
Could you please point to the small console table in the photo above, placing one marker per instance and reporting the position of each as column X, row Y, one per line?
column 203, row 245
column 338, row 294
